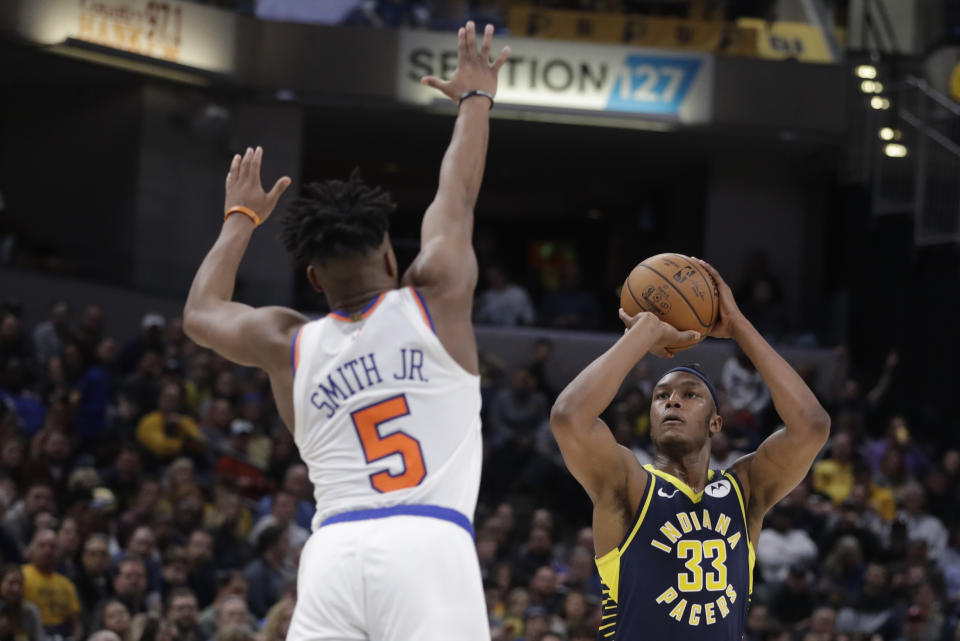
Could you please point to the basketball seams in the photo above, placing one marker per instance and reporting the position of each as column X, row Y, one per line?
column 716, row 294
column 680, row 293
column 635, row 299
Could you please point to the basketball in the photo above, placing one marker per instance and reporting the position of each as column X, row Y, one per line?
column 675, row 288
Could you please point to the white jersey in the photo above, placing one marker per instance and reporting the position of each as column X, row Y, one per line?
column 384, row 415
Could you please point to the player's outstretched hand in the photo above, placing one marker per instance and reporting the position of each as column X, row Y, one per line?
column 729, row 314
column 474, row 70
column 664, row 334
column 243, row 188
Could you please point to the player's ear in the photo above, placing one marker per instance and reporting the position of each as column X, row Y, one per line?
column 314, row 278
column 716, row 424
column 390, row 261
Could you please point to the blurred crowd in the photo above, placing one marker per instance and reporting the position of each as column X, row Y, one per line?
column 148, row 490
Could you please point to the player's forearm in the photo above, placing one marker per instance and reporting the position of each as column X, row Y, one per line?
column 217, row 275
column 592, row 391
column 793, row 399
column 461, row 171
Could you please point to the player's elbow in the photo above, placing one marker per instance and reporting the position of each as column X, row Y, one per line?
column 193, row 325
column 817, row 422
column 562, row 416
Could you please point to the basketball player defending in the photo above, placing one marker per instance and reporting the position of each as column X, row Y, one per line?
column 675, row 540
column 382, row 395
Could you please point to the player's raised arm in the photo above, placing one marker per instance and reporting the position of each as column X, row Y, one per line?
column 588, row 447
column 784, row 458
column 249, row 336
column 446, row 263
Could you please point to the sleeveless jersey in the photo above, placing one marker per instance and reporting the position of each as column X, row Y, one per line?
column 685, row 569
column 384, row 416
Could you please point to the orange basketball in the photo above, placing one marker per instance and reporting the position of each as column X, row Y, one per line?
column 675, row 288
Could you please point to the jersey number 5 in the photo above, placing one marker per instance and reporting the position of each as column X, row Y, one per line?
column 367, row 422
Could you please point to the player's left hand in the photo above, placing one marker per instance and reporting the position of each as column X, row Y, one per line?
column 474, row 71
column 730, row 315
column 243, row 188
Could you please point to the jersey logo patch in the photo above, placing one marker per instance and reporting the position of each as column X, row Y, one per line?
column 718, row 489
column 660, row 492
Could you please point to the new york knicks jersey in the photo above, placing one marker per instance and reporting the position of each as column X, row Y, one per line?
column 684, row 571
column 384, row 416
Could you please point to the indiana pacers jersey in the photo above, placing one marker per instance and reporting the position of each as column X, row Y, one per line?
column 383, row 414
column 684, row 571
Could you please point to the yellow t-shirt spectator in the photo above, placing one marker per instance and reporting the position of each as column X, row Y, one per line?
column 882, row 501
column 164, row 445
column 833, row 478
column 53, row 594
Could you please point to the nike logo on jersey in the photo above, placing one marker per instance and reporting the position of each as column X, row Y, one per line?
column 660, row 492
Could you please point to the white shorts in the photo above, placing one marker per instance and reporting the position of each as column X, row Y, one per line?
column 400, row 578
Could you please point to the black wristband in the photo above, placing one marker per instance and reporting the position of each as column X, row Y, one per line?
column 475, row 92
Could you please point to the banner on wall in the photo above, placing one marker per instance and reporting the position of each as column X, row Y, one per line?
column 579, row 77
column 180, row 32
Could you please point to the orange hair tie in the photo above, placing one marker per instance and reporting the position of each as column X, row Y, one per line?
column 246, row 211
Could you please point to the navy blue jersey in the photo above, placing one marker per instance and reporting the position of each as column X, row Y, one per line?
column 685, row 570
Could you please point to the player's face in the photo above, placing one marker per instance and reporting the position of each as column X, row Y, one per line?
column 682, row 413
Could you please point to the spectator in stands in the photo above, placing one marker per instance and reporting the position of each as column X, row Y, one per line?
column 783, row 545
column 543, row 590
column 721, row 456
column 570, row 306
column 235, row 466
column 517, row 413
column 13, row 343
column 22, row 616
column 296, row 482
column 68, row 545
column 282, row 515
column 20, row 517
column 51, row 464
column 833, row 475
column 166, row 433
column 920, row 525
column 267, row 575
column 230, row 586
column 897, row 437
column 503, row 302
column 390, row 13
column 93, row 575
column 149, row 340
column 216, row 426
column 537, row 552
column 183, row 612
column 130, row 586
column 51, row 335
column 230, row 526
column 113, row 615
column 142, row 387
column 872, row 612
column 202, row 571
column 746, row 392
column 278, row 620
column 793, row 600
column 233, row 612
column 142, row 546
column 54, row 594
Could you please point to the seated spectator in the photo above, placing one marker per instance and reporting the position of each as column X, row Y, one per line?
column 721, row 456
column 182, row 612
column 202, row 572
column 783, row 545
column 536, row 553
column 793, row 601
column 52, row 464
column 130, row 586
column 744, row 387
column 296, row 482
column 233, row 612
column 22, row 616
column 821, row 626
column 53, row 594
column 543, row 590
column 872, row 612
column 278, row 620
column 68, row 544
column 93, row 577
column 231, row 588
column 166, row 433
column 114, row 616
column 235, row 465
column 142, row 546
column 282, row 515
column 230, row 524
column 51, row 335
column 267, row 575
column 920, row 525
column 503, row 303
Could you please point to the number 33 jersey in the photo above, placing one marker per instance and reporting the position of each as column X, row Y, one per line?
column 684, row 571
column 383, row 414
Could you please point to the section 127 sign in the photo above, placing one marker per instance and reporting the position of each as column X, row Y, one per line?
column 566, row 76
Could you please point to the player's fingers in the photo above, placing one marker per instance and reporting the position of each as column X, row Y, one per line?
column 245, row 164
column 487, row 42
column 502, row 58
column 256, row 163
column 226, row 183
column 234, row 165
column 462, row 43
column 625, row 317
column 690, row 336
column 278, row 188
column 433, row 81
column 471, row 39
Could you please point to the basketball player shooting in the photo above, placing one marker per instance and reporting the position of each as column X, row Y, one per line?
column 382, row 395
column 675, row 540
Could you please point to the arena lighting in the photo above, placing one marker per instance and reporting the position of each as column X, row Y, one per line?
column 879, row 102
column 868, row 72
column 886, row 133
column 867, row 86
column 895, row 150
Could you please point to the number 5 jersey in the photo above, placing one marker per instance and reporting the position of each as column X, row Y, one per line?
column 384, row 416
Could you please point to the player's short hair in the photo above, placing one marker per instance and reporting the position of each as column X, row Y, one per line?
column 336, row 219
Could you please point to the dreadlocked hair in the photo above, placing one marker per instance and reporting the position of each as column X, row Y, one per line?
column 336, row 219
